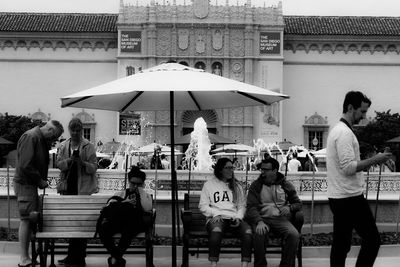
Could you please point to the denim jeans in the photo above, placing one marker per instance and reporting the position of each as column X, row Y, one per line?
column 216, row 232
column 348, row 214
column 280, row 226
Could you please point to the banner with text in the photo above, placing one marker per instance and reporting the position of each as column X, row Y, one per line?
column 270, row 43
column 131, row 41
column 129, row 124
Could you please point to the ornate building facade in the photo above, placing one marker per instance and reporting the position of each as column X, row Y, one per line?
column 237, row 42
column 314, row 60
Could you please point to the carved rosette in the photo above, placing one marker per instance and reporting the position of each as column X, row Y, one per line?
column 237, row 71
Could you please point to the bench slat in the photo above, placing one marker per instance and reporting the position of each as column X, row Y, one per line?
column 68, row 206
column 72, row 212
column 79, row 217
column 70, row 229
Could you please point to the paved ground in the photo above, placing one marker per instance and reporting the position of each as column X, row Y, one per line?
column 389, row 256
column 10, row 260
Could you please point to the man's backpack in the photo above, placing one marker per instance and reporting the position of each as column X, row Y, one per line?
column 121, row 213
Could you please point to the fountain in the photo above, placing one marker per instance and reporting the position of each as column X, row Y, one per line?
column 198, row 153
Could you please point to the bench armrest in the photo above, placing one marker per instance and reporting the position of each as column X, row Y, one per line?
column 186, row 216
column 149, row 218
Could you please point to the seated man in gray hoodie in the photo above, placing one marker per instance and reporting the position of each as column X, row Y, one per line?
column 272, row 202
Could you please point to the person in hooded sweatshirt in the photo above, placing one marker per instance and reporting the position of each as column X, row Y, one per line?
column 223, row 202
column 272, row 202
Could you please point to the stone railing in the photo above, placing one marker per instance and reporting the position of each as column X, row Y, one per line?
column 159, row 183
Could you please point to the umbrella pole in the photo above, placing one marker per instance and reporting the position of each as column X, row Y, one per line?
column 312, row 199
column 378, row 189
column 173, row 176
column 190, row 172
column 367, row 186
column 155, row 180
column 8, row 202
column 126, row 171
column 247, row 171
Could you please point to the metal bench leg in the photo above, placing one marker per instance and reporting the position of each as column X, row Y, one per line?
column 185, row 252
column 52, row 264
column 300, row 253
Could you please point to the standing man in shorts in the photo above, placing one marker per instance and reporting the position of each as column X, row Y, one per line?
column 31, row 174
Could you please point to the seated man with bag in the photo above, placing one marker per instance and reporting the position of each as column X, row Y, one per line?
column 123, row 214
column 272, row 202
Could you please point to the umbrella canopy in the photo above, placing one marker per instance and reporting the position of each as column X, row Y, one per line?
column 193, row 89
column 234, row 148
column 284, row 147
column 394, row 140
column 320, row 153
column 4, row 141
column 223, row 154
column 153, row 146
column 214, row 139
column 186, row 89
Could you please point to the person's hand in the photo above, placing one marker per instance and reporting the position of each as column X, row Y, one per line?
column 43, row 184
column 216, row 219
column 262, row 228
column 382, row 157
column 285, row 211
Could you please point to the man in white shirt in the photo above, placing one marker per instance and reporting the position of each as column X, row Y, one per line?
column 294, row 164
column 345, row 186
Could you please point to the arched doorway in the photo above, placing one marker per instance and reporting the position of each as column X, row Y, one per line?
column 190, row 116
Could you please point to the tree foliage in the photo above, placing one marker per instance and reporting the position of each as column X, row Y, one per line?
column 373, row 137
column 12, row 127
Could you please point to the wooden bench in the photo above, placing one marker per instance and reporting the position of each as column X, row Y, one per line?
column 195, row 233
column 65, row 217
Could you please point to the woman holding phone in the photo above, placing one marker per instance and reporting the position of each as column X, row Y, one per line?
column 76, row 158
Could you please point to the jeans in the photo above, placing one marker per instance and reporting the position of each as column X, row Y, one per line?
column 348, row 214
column 282, row 227
column 217, row 230
column 77, row 250
column 108, row 229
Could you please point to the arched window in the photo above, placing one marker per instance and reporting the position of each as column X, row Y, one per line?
column 200, row 65
column 130, row 71
column 315, row 131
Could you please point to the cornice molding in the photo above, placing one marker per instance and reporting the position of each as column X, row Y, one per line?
column 55, row 44
column 334, row 46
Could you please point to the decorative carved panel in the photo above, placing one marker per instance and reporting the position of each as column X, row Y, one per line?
column 163, row 42
column 236, row 115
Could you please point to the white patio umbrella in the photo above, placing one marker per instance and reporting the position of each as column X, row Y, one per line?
column 234, row 148
column 171, row 86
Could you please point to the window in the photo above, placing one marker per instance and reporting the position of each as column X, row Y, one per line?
column 315, row 131
column 86, row 133
column 315, row 140
column 130, row 71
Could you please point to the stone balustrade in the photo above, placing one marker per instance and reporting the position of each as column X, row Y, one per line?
column 159, row 182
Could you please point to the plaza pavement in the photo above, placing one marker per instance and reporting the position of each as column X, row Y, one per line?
column 389, row 256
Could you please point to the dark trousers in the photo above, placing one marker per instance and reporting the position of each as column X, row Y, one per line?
column 108, row 230
column 77, row 250
column 216, row 232
column 282, row 227
column 348, row 214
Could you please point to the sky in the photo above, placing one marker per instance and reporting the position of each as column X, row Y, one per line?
column 290, row 7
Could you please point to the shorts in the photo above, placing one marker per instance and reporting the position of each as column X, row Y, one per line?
column 27, row 199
